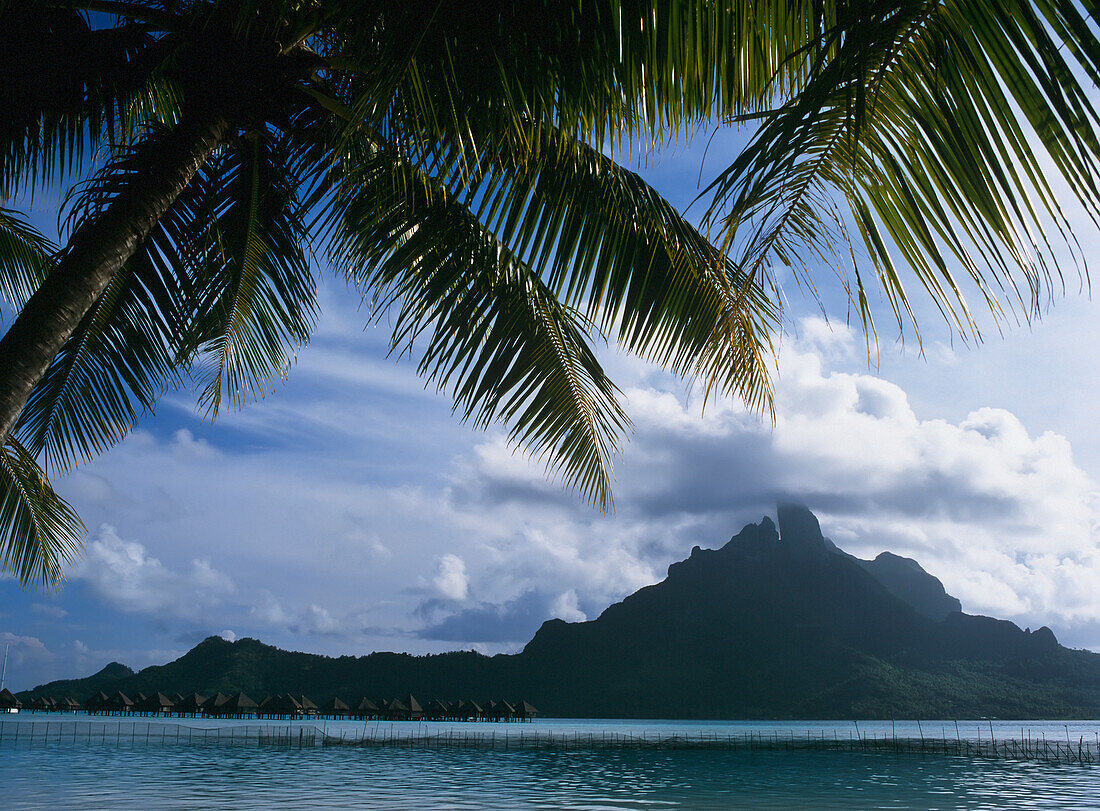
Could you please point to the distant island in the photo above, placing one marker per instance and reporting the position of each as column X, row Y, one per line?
column 778, row 623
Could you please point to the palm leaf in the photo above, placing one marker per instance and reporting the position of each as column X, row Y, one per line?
column 937, row 126
column 489, row 331
column 67, row 87
column 254, row 292
column 25, row 258
column 127, row 350
column 39, row 532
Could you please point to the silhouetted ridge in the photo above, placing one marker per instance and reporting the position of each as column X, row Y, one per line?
column 905, row 579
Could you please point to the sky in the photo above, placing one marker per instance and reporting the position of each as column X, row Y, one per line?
column 351, row 512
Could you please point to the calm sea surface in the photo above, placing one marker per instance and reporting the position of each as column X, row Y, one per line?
column 135, row 775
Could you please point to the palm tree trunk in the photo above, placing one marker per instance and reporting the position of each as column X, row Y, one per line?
column 96, row 251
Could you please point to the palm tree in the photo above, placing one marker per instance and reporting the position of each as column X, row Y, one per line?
column 452, row 160
column 454, row 163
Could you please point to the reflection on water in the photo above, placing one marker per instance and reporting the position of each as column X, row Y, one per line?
column 342, row 777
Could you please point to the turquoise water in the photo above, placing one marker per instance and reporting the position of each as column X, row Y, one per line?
column 61, row 775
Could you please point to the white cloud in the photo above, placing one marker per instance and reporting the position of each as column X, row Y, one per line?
column 320, row 621
column 228, row 636
column 565, row 607
column 48, row 610
column 124, row 574
column 268, row 610
column 24, row 651
column 451, row 581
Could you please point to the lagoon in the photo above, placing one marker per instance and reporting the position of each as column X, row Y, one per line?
column 136, row 775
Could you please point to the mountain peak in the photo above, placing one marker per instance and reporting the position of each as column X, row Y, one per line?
column 798, row 527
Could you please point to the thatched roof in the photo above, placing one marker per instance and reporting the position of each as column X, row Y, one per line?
column 176, row 698
column 468, row 709
column 119, row 701
column 192, row 703
column 526, row 710
column 215, row 701
column 70, row 702
column 96, row 701
column 366, row 705
column 241, row 703
column 437, row 707
column 155, row 703
column 413, row 704
column 8, row 701
column 307, row 705
column 281, row 705
column 334, row 706
column 396, row 705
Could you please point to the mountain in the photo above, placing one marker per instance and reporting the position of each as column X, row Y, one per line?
column 779, row 622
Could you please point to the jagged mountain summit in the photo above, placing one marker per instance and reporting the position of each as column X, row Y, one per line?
column 778, row 622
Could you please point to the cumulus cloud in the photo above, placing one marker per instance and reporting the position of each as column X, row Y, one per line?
column 267, row 609
column 124, row 574
column 24, row 651
column 511, row 621
column 228, row 636
column 320, row 621
column 565, row 607
column 451, row 580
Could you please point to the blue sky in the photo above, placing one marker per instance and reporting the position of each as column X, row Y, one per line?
column 351, row 512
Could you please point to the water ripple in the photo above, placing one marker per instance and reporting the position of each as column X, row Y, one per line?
column 240, row 777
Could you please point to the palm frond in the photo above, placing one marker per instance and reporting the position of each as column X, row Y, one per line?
column 487, row 329
column 255, row 295
column 609, row 245
column 128, row 348
column 939, row 126
column 25, row 258
column 67, row 87
column 39, row 532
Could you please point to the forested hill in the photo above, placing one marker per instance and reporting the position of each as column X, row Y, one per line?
column 776, row 623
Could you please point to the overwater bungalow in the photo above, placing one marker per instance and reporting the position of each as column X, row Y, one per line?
column 213, row 705
column 416, row 712
column 366, row 708
column 437, row 710
column 139, row 698
column 118, row 704
column 239, row 706
column 156, row 704
column 524, row 711
column 394, row 709
column 8, row 701
column 191, row 705
column 281, row 706
column 96, row 703
column 40, row 704
column 335, row 708
column 68, row 704
column 469, row 711
column 308, row 707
